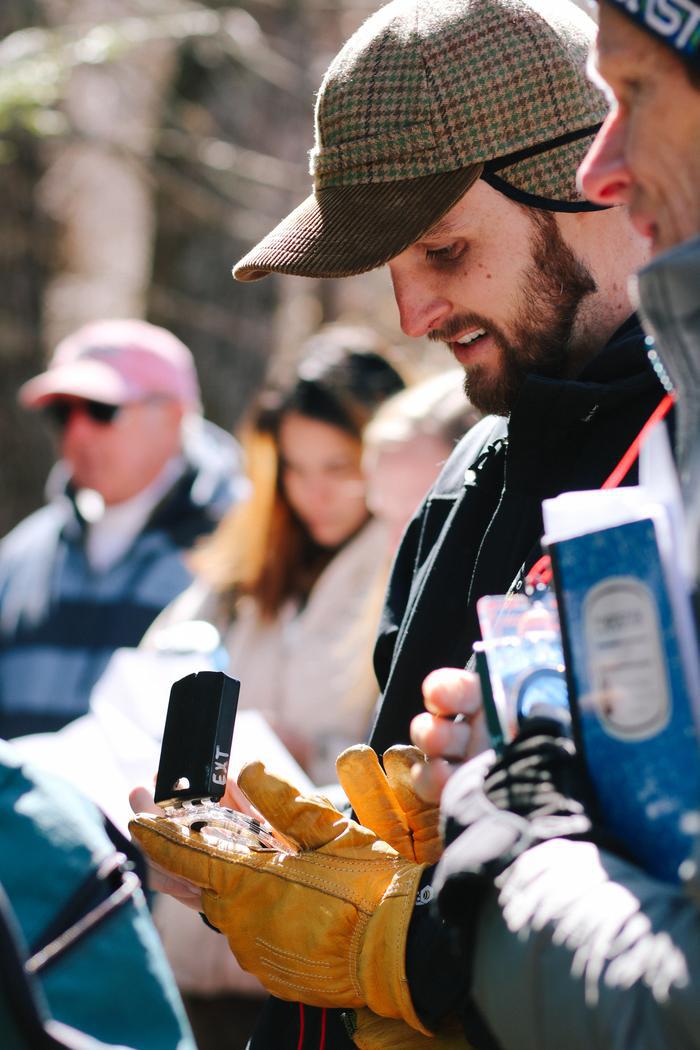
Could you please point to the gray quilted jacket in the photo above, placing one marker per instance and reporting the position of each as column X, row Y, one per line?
column 576, row 948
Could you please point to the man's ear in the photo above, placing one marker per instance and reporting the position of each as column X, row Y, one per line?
column 174, row 410
column 172, row 414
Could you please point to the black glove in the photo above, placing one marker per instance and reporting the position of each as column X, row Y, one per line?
column 537, row 790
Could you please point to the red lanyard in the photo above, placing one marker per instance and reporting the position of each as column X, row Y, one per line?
column 540, row 575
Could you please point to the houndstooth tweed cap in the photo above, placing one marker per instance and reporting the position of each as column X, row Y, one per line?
column 426, row 97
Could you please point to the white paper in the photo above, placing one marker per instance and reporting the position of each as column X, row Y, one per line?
column 116, row 745
column 580, row 513
column 659, row 498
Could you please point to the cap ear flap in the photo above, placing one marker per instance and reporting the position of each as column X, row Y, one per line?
column 543, row 176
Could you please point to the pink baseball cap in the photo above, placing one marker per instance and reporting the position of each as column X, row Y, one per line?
column 116, row 362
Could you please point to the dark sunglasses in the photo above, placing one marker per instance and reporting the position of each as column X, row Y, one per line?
column 60, row 410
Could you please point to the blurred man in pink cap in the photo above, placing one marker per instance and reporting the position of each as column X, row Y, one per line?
column 141, row 475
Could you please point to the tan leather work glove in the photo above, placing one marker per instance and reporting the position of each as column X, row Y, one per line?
column 379, row 1033
column 384, row 800
column 326, row 926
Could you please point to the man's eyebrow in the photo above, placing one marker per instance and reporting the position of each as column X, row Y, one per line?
column 593, row 71
column 442, row 228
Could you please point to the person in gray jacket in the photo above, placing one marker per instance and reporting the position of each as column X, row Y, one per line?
column 573, row 945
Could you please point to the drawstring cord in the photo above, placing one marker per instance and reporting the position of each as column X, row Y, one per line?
column 302, row 1025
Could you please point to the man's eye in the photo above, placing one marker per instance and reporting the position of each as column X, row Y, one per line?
column 450, row 253
column 628, row 92
column 633, row 89
column 338, row 470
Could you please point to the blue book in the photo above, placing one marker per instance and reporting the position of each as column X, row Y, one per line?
column 628, row 690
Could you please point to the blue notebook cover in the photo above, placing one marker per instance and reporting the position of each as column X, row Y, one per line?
column 627, row 689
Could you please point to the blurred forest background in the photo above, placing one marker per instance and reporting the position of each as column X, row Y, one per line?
column 145, row 145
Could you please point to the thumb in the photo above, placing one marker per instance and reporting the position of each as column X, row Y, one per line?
column 141, row 801
column 170, row 848
column 310, row 821
column 422, row 817
column 398, row 762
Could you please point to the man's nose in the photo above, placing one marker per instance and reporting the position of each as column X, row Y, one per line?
column 77, row 428
column 420, row 308
column 603, row 174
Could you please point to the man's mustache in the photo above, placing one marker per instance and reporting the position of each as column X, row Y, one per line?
column 457, row 326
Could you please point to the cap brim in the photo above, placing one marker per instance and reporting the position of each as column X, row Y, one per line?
column 344, row 230
column 93, row 380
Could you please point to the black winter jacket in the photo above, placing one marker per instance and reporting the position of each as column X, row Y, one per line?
column 479, row 529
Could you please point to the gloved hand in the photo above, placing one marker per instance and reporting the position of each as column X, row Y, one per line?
column 141, row 801
column 385, row 801
column 326, row 926
column 369, row 1032
column 535, row 791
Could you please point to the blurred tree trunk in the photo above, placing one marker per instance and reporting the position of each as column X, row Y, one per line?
column 26, row 452
column 180, row 151
column 98, row 187
column 233, row 161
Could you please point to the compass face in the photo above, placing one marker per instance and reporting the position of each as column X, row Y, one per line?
column 543, row 692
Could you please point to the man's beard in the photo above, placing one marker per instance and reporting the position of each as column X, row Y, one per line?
column 553, row 288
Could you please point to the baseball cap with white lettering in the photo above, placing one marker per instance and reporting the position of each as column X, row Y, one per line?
column 673, row 22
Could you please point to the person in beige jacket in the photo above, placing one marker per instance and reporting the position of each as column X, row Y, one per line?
column 293, row 580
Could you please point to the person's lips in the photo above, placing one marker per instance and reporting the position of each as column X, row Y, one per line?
column 470, row 345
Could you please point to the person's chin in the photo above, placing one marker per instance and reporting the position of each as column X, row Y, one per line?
column 488, row 391
column 647, row 227
column 665, row 241
column 85, row 483
column 324, row 536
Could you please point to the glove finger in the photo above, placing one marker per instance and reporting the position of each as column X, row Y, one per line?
column 371, row 1032
column 398, row 761
column 364, row 782
column 309, row 821
column 422, row 817
column 166, row 845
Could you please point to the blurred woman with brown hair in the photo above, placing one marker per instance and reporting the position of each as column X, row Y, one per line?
column 293, row 579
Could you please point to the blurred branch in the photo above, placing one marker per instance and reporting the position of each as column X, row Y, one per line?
column 243, row 171
column 181, row 309
column 246, row 222
column 35, row 63
column 361, row 7
column 225, row 158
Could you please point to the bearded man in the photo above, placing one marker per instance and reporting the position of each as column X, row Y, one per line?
column 448, row 134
